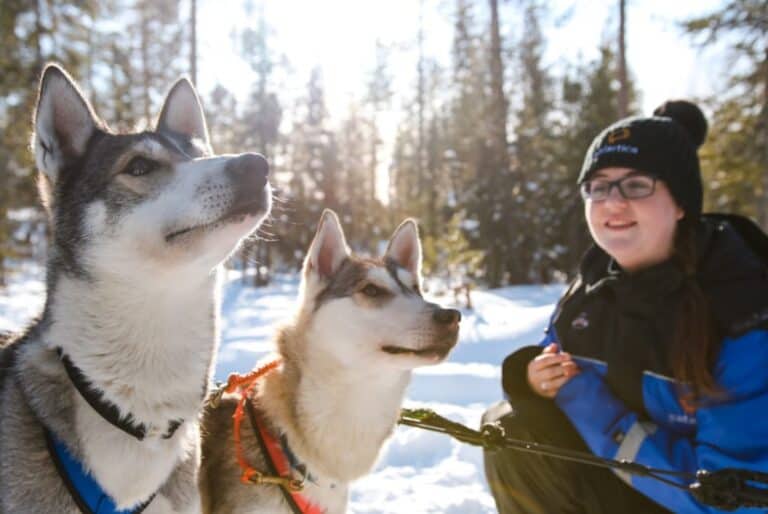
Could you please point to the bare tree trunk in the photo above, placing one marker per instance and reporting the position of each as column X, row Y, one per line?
column 38, row 68
column 421, row 182
column 623, row 85
column 90, row 57
column 500, row 157
column 145, row 61
column 374, row 164
column 499, row 100
column 762, row 213
column 193, row 42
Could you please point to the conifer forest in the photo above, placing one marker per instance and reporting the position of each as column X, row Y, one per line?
column 481, row 142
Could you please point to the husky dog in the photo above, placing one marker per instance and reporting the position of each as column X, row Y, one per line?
column 361, row 326
column 112, row 375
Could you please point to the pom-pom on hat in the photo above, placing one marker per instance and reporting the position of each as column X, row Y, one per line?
column 664, row 145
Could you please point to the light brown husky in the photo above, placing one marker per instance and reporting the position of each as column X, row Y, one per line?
column 362, row 325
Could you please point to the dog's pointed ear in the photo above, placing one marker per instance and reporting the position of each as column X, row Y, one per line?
column 405, row 247
column 183, row 114
column 64, row 123
column 329, row 247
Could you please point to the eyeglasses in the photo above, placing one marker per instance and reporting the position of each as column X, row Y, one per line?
column 630, row 187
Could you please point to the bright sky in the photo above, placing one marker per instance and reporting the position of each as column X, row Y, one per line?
column 663, row 61
column 340, row 35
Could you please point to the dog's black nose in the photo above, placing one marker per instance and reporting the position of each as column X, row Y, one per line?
column 446, row 316
column 250, row 169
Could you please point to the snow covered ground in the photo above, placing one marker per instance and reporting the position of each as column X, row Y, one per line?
column 419, row 472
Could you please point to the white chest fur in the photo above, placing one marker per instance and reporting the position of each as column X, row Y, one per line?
column 150, row 354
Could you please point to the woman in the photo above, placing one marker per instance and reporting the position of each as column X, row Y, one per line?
column 657, row 353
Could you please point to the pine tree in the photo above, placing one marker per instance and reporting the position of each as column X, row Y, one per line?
column 622, row 57
column 589, row 103
column 495, row 175
column 259, row 126
column 31, row 33
column 223, row 120
column 533, row 201
column 735, row 161
column 378, row 97
column 420, row 178
column 156, row 59
column 311, row 168
column 360, row 209
column 471, row 165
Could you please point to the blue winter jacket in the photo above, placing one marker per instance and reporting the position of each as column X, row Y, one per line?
column 728, row 434
column 625, row 404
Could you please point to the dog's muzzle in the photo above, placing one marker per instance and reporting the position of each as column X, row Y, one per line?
column 248, row 173
column 446, row 336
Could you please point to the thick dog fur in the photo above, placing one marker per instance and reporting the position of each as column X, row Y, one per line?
column 361, row 327
column 140, row 223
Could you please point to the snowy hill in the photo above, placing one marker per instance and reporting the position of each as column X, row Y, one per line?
column 419, row 472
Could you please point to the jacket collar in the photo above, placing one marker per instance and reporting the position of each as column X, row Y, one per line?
column 599, row 270
column 732, row 274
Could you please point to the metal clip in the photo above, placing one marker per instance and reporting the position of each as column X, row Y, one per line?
column 215, row 398
column 294, row 485
column 291, row 484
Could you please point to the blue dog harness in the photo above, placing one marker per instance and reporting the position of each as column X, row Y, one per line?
column 85, row 491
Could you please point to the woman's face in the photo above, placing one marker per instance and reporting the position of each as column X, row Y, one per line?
column 638, row 232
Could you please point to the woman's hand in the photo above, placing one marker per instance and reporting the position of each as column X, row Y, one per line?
column 550, row 370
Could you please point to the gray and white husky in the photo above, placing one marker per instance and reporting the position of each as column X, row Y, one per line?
column 360, row 328
column 116, row 367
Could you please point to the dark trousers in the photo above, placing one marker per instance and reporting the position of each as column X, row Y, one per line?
column 523, row 482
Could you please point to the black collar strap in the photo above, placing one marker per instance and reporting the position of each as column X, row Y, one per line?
column 271, row 468
column 107, row 409
column 294, row 462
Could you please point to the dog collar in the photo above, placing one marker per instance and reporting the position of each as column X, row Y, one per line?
column 84, row 489
column 107, row 409
column 273, row 450
column 278, row 464
column 293, row 461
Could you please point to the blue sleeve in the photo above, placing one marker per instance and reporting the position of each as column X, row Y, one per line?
column 730, row 433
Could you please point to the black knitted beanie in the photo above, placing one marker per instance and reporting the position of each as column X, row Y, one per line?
column 664, row 145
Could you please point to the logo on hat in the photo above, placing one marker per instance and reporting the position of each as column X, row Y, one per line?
column 619, row 134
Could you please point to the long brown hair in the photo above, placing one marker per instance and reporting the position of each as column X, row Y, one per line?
column 696, row 340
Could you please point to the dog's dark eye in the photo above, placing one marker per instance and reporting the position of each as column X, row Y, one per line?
column 140, row 166
column 373, row 291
